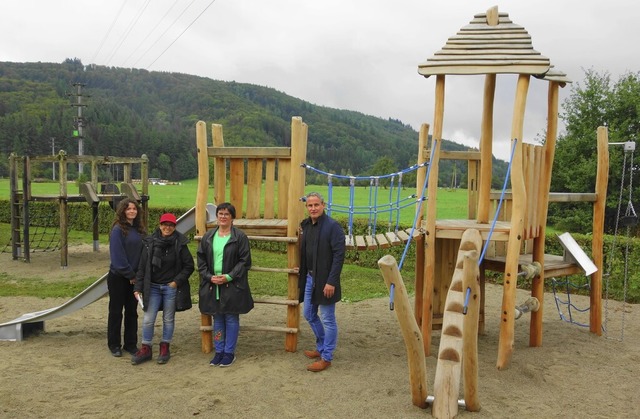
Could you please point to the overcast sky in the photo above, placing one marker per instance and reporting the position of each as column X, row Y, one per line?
column 360, row 55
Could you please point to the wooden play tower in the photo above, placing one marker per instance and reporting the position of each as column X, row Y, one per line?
column 245, row 176
column 489, row 45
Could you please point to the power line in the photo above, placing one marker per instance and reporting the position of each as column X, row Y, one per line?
column 108, row 32
column 151, row 31
column 129, row 29
column 182, row 33
column 165, row 31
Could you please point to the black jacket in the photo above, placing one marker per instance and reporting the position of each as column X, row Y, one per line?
column 183, row 269
column 328, row 259
column 234, row 297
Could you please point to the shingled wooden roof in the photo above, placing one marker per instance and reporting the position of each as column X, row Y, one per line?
column 490, row 44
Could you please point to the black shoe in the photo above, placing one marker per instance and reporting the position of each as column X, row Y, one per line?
column 117, row 352
column 227, row 360
column 132, row 350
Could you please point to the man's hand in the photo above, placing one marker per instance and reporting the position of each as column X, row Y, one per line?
column 329, row 290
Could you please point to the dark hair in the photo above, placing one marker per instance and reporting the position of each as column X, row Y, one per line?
column 121, row 216
column 228, row 207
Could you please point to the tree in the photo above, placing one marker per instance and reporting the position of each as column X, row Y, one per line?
column 384, row 166
column 593, row 103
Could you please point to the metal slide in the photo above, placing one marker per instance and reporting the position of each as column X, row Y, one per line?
column 14, row 330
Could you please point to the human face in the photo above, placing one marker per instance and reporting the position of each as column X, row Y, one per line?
column 315, row 207
column 131, row 212
column 224, row 218
column 167, row 229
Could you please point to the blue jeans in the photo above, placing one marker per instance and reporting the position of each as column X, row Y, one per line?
column 160, row 294
column 324, row 326
column 226, row 328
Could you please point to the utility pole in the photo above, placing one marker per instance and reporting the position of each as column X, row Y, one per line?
column 78, row 122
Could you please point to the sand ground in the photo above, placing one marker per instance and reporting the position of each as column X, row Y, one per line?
column 67, row 371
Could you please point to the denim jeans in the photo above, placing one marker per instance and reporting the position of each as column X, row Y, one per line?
column 226, row 328
column 324, row 326
column 160, row 294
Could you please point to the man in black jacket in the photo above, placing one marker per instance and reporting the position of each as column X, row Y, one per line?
column 321, row 259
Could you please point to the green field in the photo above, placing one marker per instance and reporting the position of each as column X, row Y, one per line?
column 451, row 203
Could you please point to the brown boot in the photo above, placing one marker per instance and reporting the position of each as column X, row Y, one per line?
column 319, row 365
column 312, row 354
column 165, row 354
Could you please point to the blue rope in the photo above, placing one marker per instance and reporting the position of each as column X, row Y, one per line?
column 375, row 208
column 388, row 175
column 352, row 190
column 415, row 218
column 330, row 193
column 495, row 217
column 570, row 306
column 390, row 203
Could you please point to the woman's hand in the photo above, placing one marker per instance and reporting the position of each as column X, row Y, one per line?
column 173, row 284
column 219, row 279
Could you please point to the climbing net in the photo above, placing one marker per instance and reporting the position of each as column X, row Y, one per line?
column 626, row 220
column 43, row 229
column 392, row 207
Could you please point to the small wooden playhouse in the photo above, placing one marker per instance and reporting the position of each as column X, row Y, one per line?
column 489, row 45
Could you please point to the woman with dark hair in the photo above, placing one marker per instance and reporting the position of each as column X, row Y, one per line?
column 125, row 245
column 224, row 259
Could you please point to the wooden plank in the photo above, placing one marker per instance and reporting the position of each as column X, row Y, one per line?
column 276, row 301
column 383, row 243
column 292, row 330
column 236, row 183
column 270, row 189
column 371, row 242
column 360, row 243
column 462, row 68
column 402, row 235
column 249, row 152
column 350, row 242
column 392, row 238
column 254, row 187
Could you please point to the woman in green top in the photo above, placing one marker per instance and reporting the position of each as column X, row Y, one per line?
column 224, row 259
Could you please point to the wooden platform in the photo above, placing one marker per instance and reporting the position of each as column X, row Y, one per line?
column 453, row 229
column 261, row 227
column 554, row 265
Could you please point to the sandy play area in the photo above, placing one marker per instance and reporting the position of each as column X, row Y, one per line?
column 68, row 372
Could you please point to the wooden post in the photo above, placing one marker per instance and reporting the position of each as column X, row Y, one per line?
column 597, row 242
column 455, row 337
column 144, row 175
column 486, row 151
column 507, row 316
column 537, row 285
column 295, row 210
column 472, row 244
column 219, row 168
column 410, row 331
column 430, row 239
column 63, row 210
column 206, row 335
column 420, row 178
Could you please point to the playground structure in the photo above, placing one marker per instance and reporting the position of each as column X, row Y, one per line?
column 513, row 241
column 490, row 45
column 19, row 328
column 21, row 195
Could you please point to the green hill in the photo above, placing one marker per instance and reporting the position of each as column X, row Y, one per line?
column 130, row 112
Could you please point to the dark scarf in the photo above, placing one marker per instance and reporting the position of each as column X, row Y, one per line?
column 161, row 245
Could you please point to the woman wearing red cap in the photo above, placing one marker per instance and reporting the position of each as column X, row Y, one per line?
column 165, row 265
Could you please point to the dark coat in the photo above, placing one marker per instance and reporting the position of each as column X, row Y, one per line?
column 234, row 296
column 328, row 260
column 183, row 269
